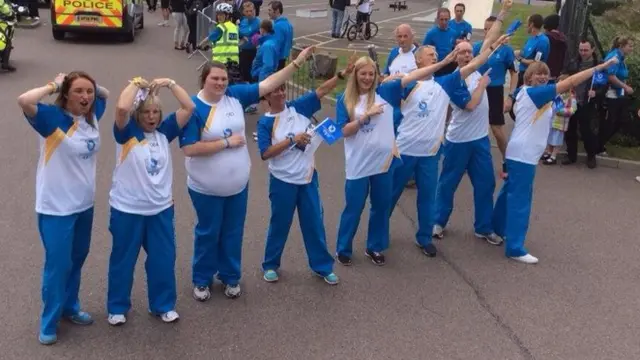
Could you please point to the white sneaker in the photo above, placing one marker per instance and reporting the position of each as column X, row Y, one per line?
column 170, row 316
column 638, row 178
column 201, row 293
column 232, row 292
column 163, row 23
column 116, row 319
column 526, row 259
column 438, row 231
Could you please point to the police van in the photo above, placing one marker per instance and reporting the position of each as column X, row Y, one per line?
column 122, row 17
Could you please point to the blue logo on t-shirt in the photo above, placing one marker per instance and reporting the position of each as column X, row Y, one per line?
column 227, row 133
column 424, row 109
column 153, row 167
column 91, row 146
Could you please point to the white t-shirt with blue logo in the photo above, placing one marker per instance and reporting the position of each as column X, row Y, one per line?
column 466, row 126
column 425, row 111
column 371, row 150
column 534, row 111
column 66, row 174
column 294, row 165
column 225, row 173
column 404, row 63
column 143, row 176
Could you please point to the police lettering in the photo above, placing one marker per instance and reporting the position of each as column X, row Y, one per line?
column 89, row 4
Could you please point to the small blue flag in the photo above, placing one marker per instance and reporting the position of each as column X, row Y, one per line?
column 513, row 27
column 558, row 104
column 599, row 78
column 329, row 131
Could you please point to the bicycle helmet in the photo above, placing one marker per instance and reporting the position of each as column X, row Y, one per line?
column 224, row 8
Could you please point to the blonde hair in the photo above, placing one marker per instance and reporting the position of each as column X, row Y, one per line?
column 537, row 68
column 352, row 90
column 621, row 41
column 151, row 99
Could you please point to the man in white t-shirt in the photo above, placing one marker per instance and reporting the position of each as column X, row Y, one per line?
column 467, row 149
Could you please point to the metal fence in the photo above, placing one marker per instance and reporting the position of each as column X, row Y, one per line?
column 206, row 22
column 304, row 79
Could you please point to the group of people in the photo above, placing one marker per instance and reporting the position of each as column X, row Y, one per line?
column 393, row 129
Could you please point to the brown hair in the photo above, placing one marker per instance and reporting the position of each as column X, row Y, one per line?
column 537, row 68
column 63, row 95
column 207, row 69
column 247, row 2
column 442, row 10
column 621, row 41
column 267, row 26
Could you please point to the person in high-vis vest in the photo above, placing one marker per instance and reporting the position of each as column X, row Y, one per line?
column 7, row 16
column 224, row 38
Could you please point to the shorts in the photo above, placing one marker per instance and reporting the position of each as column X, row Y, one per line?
column 164, row 4
column 495, row 96
column 556, row 137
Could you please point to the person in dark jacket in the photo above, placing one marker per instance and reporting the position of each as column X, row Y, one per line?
column 589, row 97
column 337, row 13
column 558, row 46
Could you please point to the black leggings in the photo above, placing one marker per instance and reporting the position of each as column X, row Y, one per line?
column 152, row 4
column 617, row 113
column 246, row 60
column 192, row 23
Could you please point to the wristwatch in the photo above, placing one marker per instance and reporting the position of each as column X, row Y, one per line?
column 512, row 97
column 172, row 83
column 291, row 141
column 340, row 75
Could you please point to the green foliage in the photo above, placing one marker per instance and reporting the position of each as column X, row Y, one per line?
column 624, row 20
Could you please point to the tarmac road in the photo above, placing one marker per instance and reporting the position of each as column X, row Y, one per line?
column 470, row 302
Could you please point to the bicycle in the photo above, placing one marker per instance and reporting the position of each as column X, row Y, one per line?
column 370, row 29
column 348, row 22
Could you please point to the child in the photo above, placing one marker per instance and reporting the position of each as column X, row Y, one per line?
column 564, row 106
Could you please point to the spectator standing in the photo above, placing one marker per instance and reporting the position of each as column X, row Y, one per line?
column 589, row 102
column 337, row 13
column 164, row 6
column 283, row 32
column 362, row 14
column 191, row 11
column 535, row 49
column 257, row 4
column 461, row 27
column 557, row 46
column 151, row 5
column 617, row 96
column 182, row 29
column 266, row 59
column 249, row 27
column 443, row 38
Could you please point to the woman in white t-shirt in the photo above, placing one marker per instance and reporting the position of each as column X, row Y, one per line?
column 65, row 189
column 218, row 166
column 285, row 142
column 365, row 113
column 142, row 214
column 534, row 112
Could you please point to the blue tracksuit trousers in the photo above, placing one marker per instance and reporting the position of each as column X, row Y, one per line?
column 66, row 241
column 285, row 198
column 513, row 207
column 379, row 188
column 473, row 157
column 156, row 235
column 218, row 237
column 424, row 170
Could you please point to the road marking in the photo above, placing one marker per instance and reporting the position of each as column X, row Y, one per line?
column 377, row 22
column 301, row 5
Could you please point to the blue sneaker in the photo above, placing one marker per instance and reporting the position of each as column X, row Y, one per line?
column 270, row 276
column 47, row 339
column 81, row 318
column 331, row 279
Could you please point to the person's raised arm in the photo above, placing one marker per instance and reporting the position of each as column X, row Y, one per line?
column 482, row 58
column 494, row 32
column 186, row 103
column 28, row 101
column 127, row 98
column 272, row 82
column 427, row 71
column 576, row 79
